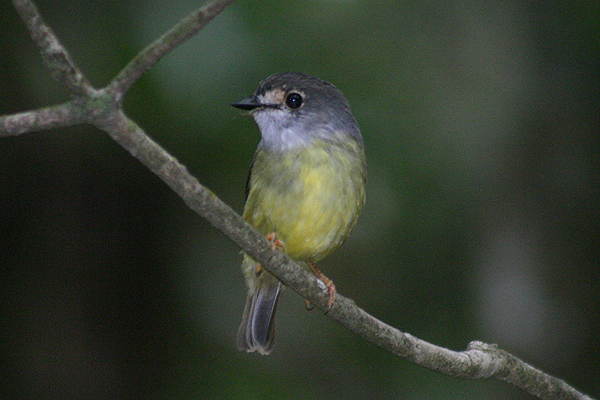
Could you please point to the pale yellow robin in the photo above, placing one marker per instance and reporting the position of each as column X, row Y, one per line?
column 305, row 189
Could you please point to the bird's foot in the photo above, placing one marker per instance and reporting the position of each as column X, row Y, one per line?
column 275, row 242
column 328, row 283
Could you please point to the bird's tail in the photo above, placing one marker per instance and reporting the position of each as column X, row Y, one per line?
column 257, row 330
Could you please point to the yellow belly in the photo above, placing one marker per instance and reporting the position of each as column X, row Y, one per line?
column 310, row 197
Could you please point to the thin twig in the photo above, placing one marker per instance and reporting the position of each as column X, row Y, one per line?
column 55, row 55
column 60, row 116
column 183, row 30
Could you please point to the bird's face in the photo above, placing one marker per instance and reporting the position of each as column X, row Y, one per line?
column 293, row 110
column 283, row 117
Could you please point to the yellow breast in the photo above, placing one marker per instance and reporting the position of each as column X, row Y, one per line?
column 310, row 196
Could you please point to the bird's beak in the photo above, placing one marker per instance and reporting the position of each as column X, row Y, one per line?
column 247, row 104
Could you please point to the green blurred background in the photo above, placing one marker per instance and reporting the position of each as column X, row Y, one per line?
column 481, row 124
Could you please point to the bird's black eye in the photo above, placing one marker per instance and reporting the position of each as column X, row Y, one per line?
column 293, row 100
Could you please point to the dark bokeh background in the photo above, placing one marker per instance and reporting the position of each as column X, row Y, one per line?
column 481, row 123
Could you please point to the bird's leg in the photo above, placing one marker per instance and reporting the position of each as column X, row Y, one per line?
column 328, row 283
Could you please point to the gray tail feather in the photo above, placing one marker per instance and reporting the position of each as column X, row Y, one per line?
column 257, row 330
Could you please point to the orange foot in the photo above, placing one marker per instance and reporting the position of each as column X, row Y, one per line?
column 275, row 242
column 328, row 283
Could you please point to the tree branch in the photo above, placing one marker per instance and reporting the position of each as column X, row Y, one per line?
column 102, row 108
column 479, row 361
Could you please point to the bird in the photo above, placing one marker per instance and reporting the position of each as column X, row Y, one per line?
column 305, row 188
